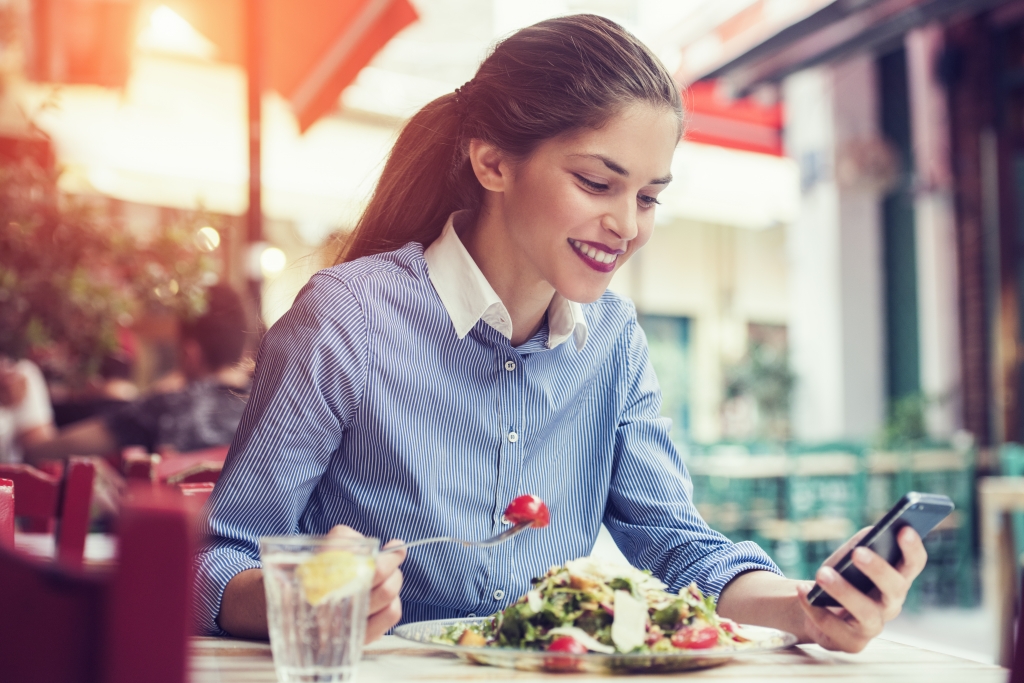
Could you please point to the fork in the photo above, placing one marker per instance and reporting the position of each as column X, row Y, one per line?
column 487, row 542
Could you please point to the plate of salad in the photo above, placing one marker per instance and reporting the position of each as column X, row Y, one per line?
column 592, row 616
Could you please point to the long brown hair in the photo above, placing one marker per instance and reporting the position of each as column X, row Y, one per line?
column 550, row 79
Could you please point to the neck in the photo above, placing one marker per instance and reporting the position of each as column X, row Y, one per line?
column 524, row 292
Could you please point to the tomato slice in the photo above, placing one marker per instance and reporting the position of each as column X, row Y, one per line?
column 695, row 638
column 528, row 509
column 568, row 645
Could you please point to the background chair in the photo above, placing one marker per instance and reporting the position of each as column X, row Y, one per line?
column 1011, row 462
column 823, row 500
column 1017, row 672
column 7, row 512
column 48, row 503
column 123, row 625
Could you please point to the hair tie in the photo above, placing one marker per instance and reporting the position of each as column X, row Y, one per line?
column 462, row 93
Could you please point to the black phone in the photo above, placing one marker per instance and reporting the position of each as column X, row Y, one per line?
column 922, row 511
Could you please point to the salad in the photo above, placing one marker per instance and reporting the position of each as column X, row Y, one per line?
column 591, row 606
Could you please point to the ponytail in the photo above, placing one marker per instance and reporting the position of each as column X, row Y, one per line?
column 423, row 182
column 550, row 79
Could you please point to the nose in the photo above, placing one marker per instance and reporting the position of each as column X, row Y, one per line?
column 621, row 221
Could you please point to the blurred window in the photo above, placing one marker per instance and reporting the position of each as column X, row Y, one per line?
column 668, row 338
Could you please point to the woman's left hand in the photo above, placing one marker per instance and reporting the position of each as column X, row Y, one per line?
column 861, row 616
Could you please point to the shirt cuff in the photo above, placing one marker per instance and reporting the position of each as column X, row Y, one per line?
column 736, row 559
column 214, row 570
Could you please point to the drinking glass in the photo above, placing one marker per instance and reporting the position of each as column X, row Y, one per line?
column 318, row 595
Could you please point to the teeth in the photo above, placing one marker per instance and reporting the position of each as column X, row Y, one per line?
column 596, row 254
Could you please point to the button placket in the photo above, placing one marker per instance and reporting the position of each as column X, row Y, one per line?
column 509, row 379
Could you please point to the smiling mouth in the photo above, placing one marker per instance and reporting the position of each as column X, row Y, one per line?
column 598, row 259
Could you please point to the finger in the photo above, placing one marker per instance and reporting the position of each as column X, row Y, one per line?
column 387, row 563
column 379, row 624
column 914, row 554
column 846, row 547
column 892, row 585
column 829, row 630
column 382, row 595
column 343, row 531
column 866, row 611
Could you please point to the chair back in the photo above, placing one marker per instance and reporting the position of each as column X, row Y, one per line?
column 1017, row 672
column 7, row 512
column 44, row 499
column 124, row 625
column 138, row 463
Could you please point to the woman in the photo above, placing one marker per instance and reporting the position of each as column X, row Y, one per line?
column 445, row 366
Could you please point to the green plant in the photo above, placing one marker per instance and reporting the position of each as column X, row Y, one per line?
column 764, row 375
column 69, row 276
column 906, row 424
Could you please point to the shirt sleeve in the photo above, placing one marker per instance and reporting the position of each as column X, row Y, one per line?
column 35, row 409
column 650, row 511
column 310, row 374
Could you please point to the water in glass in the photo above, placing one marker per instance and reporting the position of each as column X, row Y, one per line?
column 317, row 604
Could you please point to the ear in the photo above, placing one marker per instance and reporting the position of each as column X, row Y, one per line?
column 489, row 165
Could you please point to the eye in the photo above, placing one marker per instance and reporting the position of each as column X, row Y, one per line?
column 590, row 184
column 646, row 201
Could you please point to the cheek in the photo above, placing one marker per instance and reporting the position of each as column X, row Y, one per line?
column 645, row 230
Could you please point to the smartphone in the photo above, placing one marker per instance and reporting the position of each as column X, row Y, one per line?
column 922, row 511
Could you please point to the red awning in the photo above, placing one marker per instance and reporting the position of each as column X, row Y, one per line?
column 745, row 123
column 314, row 48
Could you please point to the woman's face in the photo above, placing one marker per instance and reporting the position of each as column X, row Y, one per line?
column 581, row 205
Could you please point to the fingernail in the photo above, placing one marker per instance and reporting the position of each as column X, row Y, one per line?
column 826, row 575
column 863, row 555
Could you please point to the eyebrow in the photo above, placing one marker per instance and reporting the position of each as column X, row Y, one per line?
column 616, row 168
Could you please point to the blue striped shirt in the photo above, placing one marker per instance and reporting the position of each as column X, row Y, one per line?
column 368, row 409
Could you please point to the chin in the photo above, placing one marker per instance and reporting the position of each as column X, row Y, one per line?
column 583, row 294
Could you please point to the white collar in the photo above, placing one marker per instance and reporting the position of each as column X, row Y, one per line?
column 468, row 296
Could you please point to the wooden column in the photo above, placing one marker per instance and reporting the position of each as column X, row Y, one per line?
column 967, row 69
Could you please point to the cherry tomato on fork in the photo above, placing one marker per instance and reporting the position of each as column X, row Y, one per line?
column 695, row 637
column 528, row 509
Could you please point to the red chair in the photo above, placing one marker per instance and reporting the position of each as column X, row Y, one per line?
column 138, row 464
column 123, row 625
column 7, row 512
column 44, row 499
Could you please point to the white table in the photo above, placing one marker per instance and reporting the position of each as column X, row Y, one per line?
column 393, row 660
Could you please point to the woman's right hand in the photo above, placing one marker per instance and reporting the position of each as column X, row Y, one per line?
column 385, row 605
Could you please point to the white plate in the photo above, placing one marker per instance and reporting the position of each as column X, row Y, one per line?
column 762, row 640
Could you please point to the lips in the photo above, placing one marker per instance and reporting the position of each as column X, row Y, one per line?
column 598, row 257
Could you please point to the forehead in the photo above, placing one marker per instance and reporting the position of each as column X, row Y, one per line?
column 641, row 139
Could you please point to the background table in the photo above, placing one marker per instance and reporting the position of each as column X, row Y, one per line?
column 223, row 660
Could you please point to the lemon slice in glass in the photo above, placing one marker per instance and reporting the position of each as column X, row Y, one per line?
column 334, row 574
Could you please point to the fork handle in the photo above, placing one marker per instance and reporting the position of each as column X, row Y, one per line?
column 422, row 541
column 500, row 538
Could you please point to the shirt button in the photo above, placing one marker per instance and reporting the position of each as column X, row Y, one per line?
column 499, row 594
column 510, row 365
column 513, row 437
